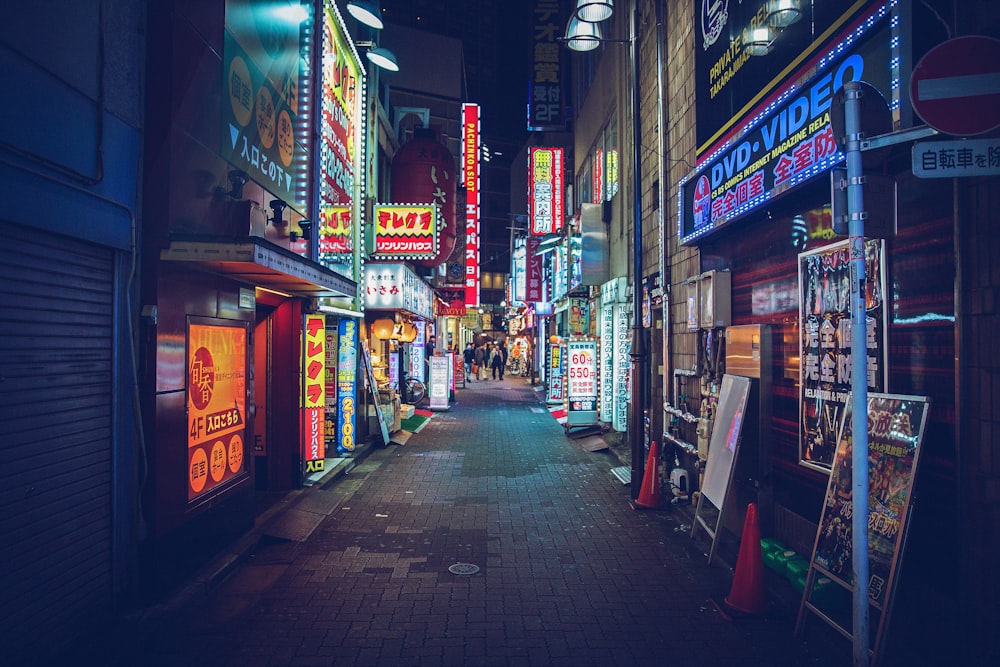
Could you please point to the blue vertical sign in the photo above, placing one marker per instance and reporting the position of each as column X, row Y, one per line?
column 347, row 383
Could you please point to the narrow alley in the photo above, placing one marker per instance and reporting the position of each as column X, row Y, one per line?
column 489, row 538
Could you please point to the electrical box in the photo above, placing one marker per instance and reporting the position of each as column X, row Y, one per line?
column 715, row 299
column 747, row 350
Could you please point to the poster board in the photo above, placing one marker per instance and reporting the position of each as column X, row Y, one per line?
column 440, row 382
column 722, row 452
column 581, row 382
column 366, row 361
column 825, row 342
column 895, row 431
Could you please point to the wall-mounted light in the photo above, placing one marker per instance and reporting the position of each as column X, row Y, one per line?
column 783, row 13
column 582, row 35
column 382, row 57
column 278, row 208
column 237, row 179
column 593, row 11
column 366, row 12
column 759, row 41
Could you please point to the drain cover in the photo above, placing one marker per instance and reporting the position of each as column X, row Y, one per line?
column 463, row 568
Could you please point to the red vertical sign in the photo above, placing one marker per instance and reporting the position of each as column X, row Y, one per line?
column 314, row 398
column 470, row 160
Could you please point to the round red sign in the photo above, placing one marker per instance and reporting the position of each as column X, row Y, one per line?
column 955, row 87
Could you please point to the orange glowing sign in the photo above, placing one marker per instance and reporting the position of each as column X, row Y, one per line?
column 314, row 397
column 216, row 404
column 406, row 231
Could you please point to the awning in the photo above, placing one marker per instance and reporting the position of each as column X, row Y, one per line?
column 256, row 261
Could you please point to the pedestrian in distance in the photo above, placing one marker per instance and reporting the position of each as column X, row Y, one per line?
column 469, row 356
column 496, row 362
column 481, row 359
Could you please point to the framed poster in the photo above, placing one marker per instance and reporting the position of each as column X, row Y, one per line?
column 895, row 432
column 216, row 403
column 825, row 342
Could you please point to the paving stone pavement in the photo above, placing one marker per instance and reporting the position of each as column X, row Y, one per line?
column 568, row 574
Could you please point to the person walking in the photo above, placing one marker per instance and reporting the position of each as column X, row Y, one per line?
column 481, row 358
column 496, row 362
column 469, row 356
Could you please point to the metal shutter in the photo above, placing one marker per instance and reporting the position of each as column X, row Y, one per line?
column 56, row 317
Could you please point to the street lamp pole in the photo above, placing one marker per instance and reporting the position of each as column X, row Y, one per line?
column 639, row 353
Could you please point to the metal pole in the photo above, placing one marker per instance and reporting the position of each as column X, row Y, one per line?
column 639, row 354
column 859, row 373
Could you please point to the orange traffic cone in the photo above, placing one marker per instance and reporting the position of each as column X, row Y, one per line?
column 747, row 593
column 649, row 492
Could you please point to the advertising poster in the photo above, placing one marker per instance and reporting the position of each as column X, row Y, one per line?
column 440, row 382
column 556, row 389
column 347, row 383
column 581, row 376
column 825, row 342
column 262, row 112
column 622, row 365
column 314, row 392
column 216, row 404
column 895, row 431
column 606, row 371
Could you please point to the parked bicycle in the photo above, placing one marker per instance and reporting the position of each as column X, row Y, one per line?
column 414, row 391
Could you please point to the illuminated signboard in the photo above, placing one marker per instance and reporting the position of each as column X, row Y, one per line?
column 607, row 363
column 216, row 404
column 341, row 145
column 347, row 381
column 470, row 159
column 730, row 80
column 534, row 286
column 314, row 392
column 405, row 231
column 545, row 97
column 622, row 365
column 789, row 138
column 556, row 389
column 266, row 106
column 581, row 374
column 597, row 181
column 397, row 287
column 545, row 190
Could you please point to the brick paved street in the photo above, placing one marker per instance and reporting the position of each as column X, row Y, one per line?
column 568, row 573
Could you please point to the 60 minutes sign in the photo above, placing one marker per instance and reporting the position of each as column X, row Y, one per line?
column 582, row 371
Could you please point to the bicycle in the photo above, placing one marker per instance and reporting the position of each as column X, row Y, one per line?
column 414, row 391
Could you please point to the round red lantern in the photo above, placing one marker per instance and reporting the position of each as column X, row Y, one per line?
column 423, row 172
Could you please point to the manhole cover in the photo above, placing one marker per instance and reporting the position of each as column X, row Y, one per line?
column 463, row 568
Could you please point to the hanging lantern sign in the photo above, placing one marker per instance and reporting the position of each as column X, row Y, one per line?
column 406, row 231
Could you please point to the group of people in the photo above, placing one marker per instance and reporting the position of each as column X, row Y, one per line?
column 484, row 356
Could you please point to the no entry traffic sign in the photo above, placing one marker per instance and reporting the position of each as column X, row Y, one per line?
column 955, row 87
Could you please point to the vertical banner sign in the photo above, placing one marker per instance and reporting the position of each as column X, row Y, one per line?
column 470, row 160
column 533, row 285
column 545, row 190
column 895, row 431
column 556, row 391
column 581, row 375
column 330, row 402
column 623, row 323
column 314, row 393
column 606, row 370
column 341, row 145
column 545, row 98
column 347, row 382
column 265, row 64
column 825, row 343
column 216, row 404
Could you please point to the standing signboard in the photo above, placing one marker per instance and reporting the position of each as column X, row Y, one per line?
column 440, row 382
column 347, row 383
column 895, row 432
column 581, row 384
column 366, row 361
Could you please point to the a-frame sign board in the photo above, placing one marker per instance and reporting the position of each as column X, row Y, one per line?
column 369, row 371
column 723, row 449
column 895, row 431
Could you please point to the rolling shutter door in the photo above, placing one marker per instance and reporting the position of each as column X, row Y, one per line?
column 56, row 365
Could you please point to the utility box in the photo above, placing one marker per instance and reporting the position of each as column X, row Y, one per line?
column 715, row 299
